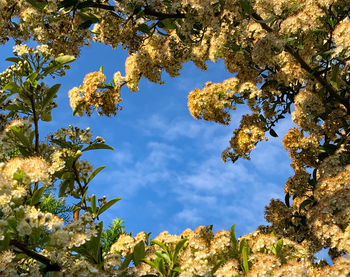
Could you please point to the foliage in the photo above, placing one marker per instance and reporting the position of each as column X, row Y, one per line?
column 286, row 57
column 112, row 233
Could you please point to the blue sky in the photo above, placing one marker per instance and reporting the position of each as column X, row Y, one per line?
column 167, row 166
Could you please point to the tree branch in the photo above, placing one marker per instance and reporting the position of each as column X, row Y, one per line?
column 147, row 11
column 305, row 66
column 44, row 260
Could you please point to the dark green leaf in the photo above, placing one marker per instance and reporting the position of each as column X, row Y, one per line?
column 273, row 133
column 139, row 253
column 304, row 204
column 37, row 195
column 67, row 3
column 14, row 59
column 46, row 117
column 106, row 206
column 126, row 262
column 272, row 18
column 144, row 28
column 51, row 93
column 85, row 4
column 37, row 4
column 94, row 173
column 98, row 146
column 286, row 199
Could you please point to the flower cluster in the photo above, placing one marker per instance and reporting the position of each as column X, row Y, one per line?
column 95, row 93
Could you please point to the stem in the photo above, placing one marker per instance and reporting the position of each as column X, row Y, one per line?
column 44, row 260
column 35, row 119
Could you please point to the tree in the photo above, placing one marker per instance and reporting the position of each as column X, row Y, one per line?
column 286, row 57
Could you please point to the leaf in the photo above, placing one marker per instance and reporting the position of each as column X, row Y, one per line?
column 37, row 195
column 97, row 146
column 233, row 238
column 272, row 18
column 334, row 84
column 139, row 253
column 245, row 259
column 18, row 132
column 37, row 4
column 85, row 4
column 304, row 204
column 161, row 245
column 127, row 261
column 216, row 267
column 46, row 117
column 65, row 59
column 93, row 203
column 94, row 173
column 161, row 266
column 273, row 133
column 164, row 256
column 51, row 93
column 144, row 28
column 67, row 3
column 13, row 87
column 286, row 199
column 106, row 206
column 13, row 59
column 178, row 247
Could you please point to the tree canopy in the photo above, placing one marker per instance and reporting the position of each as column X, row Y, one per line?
column 286, row 57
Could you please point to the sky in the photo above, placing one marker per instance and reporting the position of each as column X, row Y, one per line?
column 166, row 165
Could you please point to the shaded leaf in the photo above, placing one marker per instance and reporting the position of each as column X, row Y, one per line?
column 106, row 206
column 98, row 146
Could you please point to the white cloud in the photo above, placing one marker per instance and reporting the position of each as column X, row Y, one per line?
column 189, row 216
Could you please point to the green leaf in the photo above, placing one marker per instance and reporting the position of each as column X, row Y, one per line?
column 334, row 84
column 245, row 259
column 144, row 28
column 273, row 133
column 13, row 59
column 106, row 206
column 13, row 87
column 98, row 146
column 126, row 262
column 168, row 24
column 65, row 59
column 178, row 247
column 215, row 268
column 164, row 256
column 37, row 4
column 46, row 117
column 37, row 195
column 93, row 203
column 18, row 132
column 94, row 173
column 139, row 253
column 234, row 239
column 51, row 93
column 272, row 18
column 161, row 266
column 161, row 245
